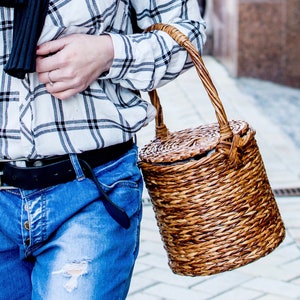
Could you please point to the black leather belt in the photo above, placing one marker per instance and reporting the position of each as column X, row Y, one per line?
column 52, row 171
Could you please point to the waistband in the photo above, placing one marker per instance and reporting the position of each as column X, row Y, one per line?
column 48, row 172
column 55, row 170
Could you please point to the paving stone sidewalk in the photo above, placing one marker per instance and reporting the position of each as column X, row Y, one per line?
column 273, row 110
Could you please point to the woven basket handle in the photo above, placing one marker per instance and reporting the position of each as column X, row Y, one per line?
column 226, row 134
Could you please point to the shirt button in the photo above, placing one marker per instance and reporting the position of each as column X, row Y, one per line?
column 27, row 242
column 26, row 207
column 26, row 225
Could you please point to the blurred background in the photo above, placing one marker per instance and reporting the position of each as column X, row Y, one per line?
column 252, row 55
column 255, row 38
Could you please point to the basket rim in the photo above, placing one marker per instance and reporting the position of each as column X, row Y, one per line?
column 190, row 143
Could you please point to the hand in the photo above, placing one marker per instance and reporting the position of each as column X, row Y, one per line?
column 70, row 64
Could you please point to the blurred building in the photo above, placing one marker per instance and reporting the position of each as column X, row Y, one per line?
column 256, row 38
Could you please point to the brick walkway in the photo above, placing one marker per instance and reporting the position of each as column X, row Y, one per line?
column 273, row 110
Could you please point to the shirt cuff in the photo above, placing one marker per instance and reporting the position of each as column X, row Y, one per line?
column 123, row 57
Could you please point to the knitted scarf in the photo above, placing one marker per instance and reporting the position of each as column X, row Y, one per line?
column 29, row 18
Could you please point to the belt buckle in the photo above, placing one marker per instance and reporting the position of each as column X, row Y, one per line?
column 2, row 161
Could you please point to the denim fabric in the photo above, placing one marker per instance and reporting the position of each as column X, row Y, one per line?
column 60, row 242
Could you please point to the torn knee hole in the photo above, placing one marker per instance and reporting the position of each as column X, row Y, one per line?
column 74, row 271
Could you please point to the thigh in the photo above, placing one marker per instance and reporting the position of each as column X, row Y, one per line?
column 15, row 273
column 86, row 260
column 15, row 270
column 91, row 256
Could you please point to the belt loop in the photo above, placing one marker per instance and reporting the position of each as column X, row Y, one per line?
column 77, row 167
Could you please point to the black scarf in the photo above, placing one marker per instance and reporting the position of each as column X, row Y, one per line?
column 29, row 18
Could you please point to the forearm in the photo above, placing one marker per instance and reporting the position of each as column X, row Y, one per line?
column 147, row 60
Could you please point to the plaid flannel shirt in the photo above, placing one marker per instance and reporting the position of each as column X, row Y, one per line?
column 34, row 124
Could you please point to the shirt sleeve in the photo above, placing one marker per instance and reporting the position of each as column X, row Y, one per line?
column 145, row 61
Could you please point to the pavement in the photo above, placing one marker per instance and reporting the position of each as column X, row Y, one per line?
column 273, row 110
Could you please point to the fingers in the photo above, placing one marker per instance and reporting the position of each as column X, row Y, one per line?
column 51, row 47
column 48, row 77
column 63, row 95
column 48, row 57
column 59, row 87
column 70, row 70
column 54, row 71
column 46, row 64
column 60, row 91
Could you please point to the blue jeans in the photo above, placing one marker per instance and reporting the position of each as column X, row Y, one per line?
column 60, row 243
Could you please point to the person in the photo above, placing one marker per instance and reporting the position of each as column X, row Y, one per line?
column 70, row 198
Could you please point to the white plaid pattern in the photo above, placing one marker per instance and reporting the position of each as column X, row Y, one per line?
column 34, row 124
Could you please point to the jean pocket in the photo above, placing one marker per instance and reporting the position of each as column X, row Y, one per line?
column 126, row 194
column 122, row 182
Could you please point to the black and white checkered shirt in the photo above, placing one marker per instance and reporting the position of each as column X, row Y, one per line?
column 34, row 124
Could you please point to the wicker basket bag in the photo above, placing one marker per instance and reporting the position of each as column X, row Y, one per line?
column 212, row 199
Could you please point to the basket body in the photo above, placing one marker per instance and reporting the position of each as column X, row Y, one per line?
column 213, row 215
column 213, row 202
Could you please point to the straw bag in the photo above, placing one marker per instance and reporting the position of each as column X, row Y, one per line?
column 212, row 199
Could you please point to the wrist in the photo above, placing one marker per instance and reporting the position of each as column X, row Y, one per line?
column 108, row 52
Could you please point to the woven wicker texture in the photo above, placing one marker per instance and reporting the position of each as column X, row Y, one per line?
column 212, row 199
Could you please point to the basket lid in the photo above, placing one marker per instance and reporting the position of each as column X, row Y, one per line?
column 187, row 143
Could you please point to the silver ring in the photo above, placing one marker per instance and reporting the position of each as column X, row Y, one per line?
column 50, row 81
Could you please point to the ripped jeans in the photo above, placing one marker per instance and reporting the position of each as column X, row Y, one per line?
column 60, row 242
